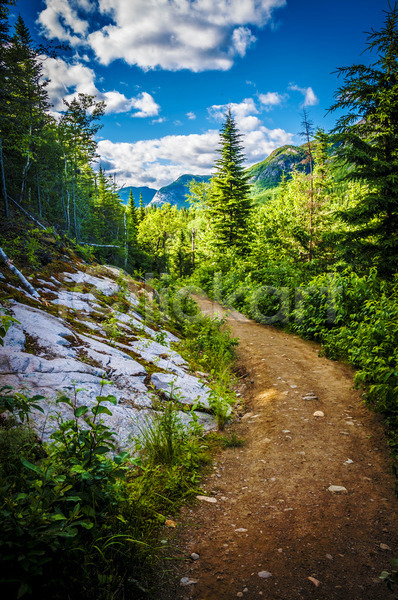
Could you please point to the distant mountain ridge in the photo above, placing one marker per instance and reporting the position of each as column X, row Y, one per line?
column 268, row 173
column 263, row 176
column 147, row 194
column 175, row 193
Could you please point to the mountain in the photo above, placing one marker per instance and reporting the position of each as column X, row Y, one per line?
column 175, row 193
column 264, row 176
column 147, row 194
column 268, row 173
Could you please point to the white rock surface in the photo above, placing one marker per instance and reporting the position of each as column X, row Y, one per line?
column 46, row 355
column 187, row 389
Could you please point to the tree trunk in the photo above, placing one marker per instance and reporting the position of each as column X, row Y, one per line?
column 22, row 279
column 38, row 194
column 3, row 178
column 68, row 198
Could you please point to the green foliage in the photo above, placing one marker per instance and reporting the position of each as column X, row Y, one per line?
column 368, row 136
column 229, row 205
column 232, row 440
column 391, row 578
column 60, row 516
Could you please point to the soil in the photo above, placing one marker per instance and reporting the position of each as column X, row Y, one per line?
column 273, row 513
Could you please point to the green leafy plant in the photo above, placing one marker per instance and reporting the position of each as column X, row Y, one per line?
column 391, row 578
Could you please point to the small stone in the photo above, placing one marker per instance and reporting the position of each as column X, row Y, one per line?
column 348, row 461
column 187, row 581
column 329, row 556
column 316, row 582
column 310, row 396
column 384, row 547
column 207, row 499
column 264, row 574
column 239, row 595
column 286, row 431
column 245, row 590
column 170, row 523
column 195, row 556
column 337, row 489
column 318, row 413
column 240, row 530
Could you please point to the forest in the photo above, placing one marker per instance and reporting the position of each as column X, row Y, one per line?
column 317, row 256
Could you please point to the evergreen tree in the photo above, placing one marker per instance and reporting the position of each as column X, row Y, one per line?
column 229, row 206
column 368, row 133
column 26, row 117
column 141, row 210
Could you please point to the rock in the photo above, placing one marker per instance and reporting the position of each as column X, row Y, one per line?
column 310, row 396
column 318, row 413
column 316, row 582
column 51, row 333
column 348, row 461
column 239, row 595
column 195, row 556
column 240, row 530
column 337, row 489
column 329, row 556
column 106, row 286
column 384, row 547
column 76, row 301
column 188, row 581
column 207, row 499
column 264, row 574
column 170, row 523
column 186, row 389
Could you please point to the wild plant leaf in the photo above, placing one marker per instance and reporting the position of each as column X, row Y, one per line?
column 30, row 465
column 81, row 410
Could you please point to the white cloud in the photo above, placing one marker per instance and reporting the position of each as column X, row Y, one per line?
column 271, row 99
column 239, row 110
column 197, row 35
column 191, row 116
column 310, row 98
column 68, row 80
column 160, row 161
column 60, row 19
column 242, row 39
column 145, row 105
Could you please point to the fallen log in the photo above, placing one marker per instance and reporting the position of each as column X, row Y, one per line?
column 21, row 277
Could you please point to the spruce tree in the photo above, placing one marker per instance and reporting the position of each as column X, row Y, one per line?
column 141, row 210
column 229, row 205
column 368, row 135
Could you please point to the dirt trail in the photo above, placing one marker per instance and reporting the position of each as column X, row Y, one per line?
column 274, row 513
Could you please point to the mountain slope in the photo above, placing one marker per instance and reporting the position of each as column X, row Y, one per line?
column 176, row 192
column 268, row 173
column 147, row 194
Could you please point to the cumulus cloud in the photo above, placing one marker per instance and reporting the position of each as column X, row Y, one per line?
column 310, row 98
column 60, row 19
column 67, row 80
column 160, row 161
column 191, row 116
column 242, row 39
column 197, row 35
column 271, row 99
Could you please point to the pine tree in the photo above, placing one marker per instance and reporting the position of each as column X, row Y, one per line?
column 368, row 135
column 229, row 205
column 26, row 116
column 141, row 210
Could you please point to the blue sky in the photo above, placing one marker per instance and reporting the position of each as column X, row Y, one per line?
column 168, row 69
